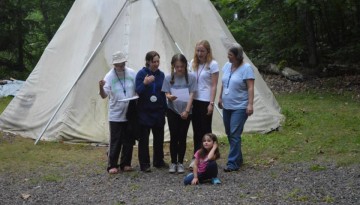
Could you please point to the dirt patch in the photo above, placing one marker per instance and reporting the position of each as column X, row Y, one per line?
column 337, row 85
column 278, row 184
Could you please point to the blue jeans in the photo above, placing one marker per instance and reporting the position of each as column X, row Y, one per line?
column 210, row 172
column 234, row 121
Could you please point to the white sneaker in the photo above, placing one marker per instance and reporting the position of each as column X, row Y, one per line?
column 172, row 168
column 191, row 166
column 180, row 168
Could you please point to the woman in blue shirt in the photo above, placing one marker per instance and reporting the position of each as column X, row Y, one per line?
column 236, row 99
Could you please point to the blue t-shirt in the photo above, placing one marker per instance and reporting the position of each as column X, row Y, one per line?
column 235, row 92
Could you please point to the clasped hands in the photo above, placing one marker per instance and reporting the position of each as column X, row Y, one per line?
column 149, row 79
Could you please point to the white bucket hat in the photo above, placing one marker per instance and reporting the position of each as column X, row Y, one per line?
column 118, row 57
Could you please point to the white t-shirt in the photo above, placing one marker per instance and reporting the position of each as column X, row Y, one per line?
column 203, row 78
column 115, row 84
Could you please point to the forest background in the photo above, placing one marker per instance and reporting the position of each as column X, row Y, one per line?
column 319, row 36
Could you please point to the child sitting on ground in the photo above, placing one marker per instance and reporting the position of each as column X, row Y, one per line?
column 205, row 167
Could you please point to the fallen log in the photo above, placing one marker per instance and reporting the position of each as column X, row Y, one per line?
column 287, row 72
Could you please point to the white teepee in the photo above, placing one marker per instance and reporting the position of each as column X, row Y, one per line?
column 60, row 101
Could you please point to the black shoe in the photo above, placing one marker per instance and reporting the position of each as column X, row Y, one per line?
column 146, row 169
column 161, row 165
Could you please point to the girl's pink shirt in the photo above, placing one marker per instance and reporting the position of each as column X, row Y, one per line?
column 203, row 162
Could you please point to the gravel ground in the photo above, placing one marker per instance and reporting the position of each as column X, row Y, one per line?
column 277, row 184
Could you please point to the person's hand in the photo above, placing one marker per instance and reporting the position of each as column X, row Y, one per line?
column 184, row 115
column 220, row 105
column 249, row 110
column 149, row 79
column 210, row 109
column 171, row 97
column 215, row 145
column 195, row 181
column 101, row 83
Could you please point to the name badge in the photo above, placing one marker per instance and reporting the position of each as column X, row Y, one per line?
column 153, row 98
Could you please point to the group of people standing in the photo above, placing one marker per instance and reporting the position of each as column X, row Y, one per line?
column 186, row 95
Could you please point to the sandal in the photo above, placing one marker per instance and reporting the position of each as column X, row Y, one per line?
column 113, row 171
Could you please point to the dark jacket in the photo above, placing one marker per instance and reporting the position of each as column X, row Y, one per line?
column 151, row 114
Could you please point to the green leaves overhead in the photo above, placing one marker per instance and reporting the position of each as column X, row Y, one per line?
column 26, row 29
column 301, row 32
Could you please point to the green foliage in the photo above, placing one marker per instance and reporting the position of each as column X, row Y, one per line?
column 272, row 31
column 27, row 27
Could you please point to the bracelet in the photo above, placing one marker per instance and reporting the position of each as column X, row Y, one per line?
column 212, row 103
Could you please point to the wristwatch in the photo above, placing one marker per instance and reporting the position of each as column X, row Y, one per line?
column 212, row 103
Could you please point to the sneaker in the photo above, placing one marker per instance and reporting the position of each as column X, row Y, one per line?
column 180, row 168
column 215, row 181
column 191, row 166
column 172, row 168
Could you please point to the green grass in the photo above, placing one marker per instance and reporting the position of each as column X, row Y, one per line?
column 318, row 128
column 4, row 102
column 52, row 161
column 321, row 127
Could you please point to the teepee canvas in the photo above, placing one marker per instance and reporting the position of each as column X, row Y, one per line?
column 60, row 101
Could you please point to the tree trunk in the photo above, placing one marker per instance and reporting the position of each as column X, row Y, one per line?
column 310, row 38
column 357, row 23
column 45, row 14
column 20, row 40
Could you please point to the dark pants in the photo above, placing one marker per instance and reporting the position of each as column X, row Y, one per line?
column 210, row 172
column 178, row 132
column 158, row 142
column 119, row 142
column 201, row 122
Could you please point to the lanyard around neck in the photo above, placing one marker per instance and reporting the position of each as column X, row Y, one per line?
column 231, row 72
column 198, row 74
column 122, row 83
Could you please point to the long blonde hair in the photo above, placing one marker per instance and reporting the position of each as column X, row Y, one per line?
column 209, row 58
